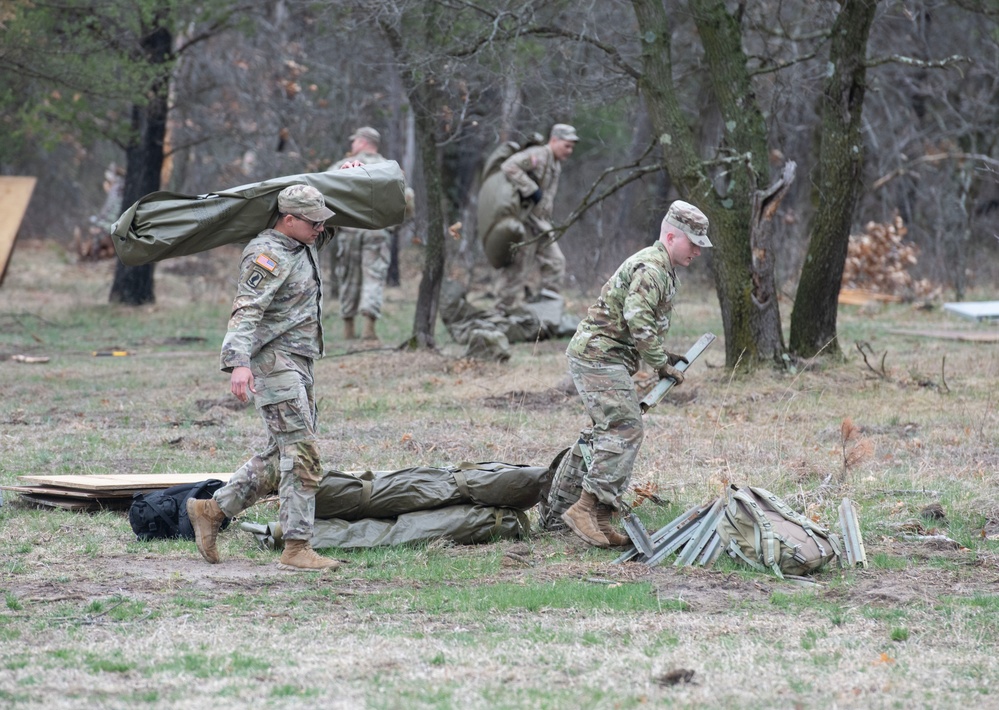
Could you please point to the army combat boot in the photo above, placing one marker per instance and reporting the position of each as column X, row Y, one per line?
column 348, row 329
column 614, row 538
column 369, row 328
column 206, row 518
column 582, row 518
column 299, row 555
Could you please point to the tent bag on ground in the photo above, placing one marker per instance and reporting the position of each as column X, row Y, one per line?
column 387, row 494
column 763, row 531
column 163, row 514
column 461, row 524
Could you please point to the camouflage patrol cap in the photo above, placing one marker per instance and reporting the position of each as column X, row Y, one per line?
column 368, row 133
column 689, row 220
column 304, row 201
column 565, row 132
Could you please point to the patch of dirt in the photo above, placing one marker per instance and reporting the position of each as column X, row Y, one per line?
column 545, row 399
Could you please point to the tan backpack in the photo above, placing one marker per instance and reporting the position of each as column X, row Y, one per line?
column 764, row 532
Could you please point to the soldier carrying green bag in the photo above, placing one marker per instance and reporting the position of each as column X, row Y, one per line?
column 275, row 333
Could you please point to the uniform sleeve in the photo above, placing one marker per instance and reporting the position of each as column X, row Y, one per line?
column 517, row 167
column 644, row 294
column 256, row 290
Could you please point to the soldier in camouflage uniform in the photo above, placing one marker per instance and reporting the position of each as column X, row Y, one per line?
column 535, row 172
column 361, row 258
column 275, row 333
column 627, row 325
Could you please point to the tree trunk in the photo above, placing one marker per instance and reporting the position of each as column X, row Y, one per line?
column 744, row 281
column 838, row 187
column 133, row 285
column 424, row 103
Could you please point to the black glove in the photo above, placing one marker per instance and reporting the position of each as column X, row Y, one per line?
column 668, row 370
column 535, row 196
column 674, row 359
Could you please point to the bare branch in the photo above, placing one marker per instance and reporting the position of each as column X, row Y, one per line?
column 944, row 63
column 932, row 158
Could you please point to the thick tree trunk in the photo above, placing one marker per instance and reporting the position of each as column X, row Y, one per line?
column 744, row 282
column 133, row 285
column 838, row 187
column 424, row 104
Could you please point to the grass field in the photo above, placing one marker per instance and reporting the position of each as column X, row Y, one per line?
column 93, row 618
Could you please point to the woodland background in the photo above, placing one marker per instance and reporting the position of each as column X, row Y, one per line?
column 887, row 110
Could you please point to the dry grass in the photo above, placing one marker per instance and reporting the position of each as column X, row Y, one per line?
column 94, row 619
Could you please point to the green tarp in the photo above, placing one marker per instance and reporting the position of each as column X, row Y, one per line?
column 461, row 524
column 467, row 504
column 162, row 225
column 386, row 494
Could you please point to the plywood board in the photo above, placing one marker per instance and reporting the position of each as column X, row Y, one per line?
column 122, row 482
column 77, row 503
column 15, row 194
column 969, row 336
column 62, row 492
column 975, row 310
column 859, row 297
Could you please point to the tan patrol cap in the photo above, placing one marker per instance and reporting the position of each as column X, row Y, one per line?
column 565, row 132
column 689, row 220
column 304, row 201
column 368, row 133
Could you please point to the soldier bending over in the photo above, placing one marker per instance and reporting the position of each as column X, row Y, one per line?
column 628, row 323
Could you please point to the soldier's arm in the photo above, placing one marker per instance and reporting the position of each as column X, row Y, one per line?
column 254, row 294
column 518, row 168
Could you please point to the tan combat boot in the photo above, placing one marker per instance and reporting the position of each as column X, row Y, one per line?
column 369, row 328
column 206, row 518
column 348, row 329
column 614, row 538
column 582, row 518
column 299, row 555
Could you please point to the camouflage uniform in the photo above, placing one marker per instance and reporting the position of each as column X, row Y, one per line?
column 276, row 330
column 529, row 170
column 627, row 325
column 361, row 261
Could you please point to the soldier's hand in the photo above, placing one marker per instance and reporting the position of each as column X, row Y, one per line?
column 241, row 381
column 535, row 196
column 668, row 370
column 675, row 359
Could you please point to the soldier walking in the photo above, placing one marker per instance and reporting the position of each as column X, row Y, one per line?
column 627, row 325
column 534, row 172
column 275, row 333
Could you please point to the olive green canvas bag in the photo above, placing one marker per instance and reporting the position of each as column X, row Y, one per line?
column 162, row 225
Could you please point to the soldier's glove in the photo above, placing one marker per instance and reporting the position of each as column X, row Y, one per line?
column 535, row 196
column 668, row 370
column 674, row 359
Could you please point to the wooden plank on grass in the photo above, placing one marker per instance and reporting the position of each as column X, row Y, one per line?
column 969, row 336
column 15, row 193
column 859, row 297
column 62, row 492
column 77, row 503
column 122, row 482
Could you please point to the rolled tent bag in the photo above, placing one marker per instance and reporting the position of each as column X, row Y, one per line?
column 469, row 504
column 461, row 524
column 162, row 225
column 387, row 494
column 500, row 219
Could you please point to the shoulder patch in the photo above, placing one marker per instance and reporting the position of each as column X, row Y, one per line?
column 266, row 261
column 254, row 278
